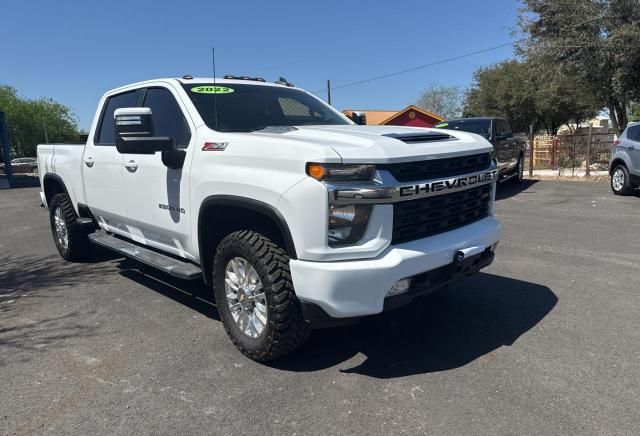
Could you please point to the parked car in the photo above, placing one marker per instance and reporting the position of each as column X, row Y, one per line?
column 508, row 149
column 22, row 165
column 625, row 161
column 296, row 216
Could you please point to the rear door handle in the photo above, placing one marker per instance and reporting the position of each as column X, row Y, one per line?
column 88, row 161
column 132, row 166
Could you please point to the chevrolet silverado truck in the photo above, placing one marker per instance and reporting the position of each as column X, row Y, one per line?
column 296, row 217
column 508, row 149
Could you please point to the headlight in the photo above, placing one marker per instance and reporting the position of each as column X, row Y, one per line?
column 340, row 173
column 347, row 224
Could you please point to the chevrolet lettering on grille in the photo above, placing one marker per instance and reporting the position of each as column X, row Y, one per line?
column 448, row 184
column 390, row 192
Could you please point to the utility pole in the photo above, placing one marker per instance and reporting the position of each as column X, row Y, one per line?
column 329, row 91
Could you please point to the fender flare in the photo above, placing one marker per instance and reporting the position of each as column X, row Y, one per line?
column 57, row 179
column 248, row 203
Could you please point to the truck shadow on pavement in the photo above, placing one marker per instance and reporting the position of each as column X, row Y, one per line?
column 508, row 189
column 191, row 293
column 439, row 332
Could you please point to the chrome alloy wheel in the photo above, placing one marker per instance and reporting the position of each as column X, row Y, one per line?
column 245, row 297
column 61, row 228
column 617, row 180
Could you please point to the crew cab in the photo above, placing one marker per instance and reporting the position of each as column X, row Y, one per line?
column 297, row 217
column 508, row 149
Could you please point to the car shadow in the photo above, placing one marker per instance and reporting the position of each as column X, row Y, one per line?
column 443, row 331
column 508, row 189
column 191, row 293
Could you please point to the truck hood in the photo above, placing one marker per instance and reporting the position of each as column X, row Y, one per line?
column 377, row 144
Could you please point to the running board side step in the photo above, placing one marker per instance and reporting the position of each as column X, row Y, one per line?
column 177, row 268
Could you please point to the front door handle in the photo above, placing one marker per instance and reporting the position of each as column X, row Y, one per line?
column 88, row 161
column 131, row 166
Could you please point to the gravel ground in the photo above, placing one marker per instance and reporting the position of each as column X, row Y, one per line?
column 545, row 340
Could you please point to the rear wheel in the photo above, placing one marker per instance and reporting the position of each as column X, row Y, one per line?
column 620, row 181
column 70, row 238
column 255, row 297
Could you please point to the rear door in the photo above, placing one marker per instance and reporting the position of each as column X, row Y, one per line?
column 157, row 197
column 102, row 167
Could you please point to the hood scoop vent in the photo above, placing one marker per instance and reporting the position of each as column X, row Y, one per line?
column 413, row 138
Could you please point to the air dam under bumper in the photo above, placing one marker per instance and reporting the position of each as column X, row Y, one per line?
column 346, row 289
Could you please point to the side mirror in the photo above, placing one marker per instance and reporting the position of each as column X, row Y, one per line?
column 134, row 132
column 134, row 135
column 359, row 118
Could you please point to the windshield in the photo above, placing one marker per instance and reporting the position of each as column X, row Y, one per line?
column 480, row 127
column 245, row 108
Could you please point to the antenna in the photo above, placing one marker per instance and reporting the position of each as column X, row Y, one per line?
column 215, row 90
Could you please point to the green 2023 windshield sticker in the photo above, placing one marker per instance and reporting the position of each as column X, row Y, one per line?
column 212, row 90
column 437, row 126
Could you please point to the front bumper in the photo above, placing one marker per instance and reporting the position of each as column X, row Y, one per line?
column 345, row 289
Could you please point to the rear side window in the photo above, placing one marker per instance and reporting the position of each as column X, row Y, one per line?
column 168, row 119
column 633, row 133
column 107, row 129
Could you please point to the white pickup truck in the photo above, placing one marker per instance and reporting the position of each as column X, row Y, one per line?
column 297, row 217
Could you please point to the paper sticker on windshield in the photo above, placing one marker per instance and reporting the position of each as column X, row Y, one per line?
column 437, row 126
column 212, row 90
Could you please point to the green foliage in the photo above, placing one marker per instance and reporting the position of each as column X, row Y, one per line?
column 591, row 41
column 527, row 93
column 634, row 112
column 32, row 122
column 445, row 101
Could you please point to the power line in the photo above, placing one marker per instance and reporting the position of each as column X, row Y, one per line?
column 455, row 58
column 431, row 64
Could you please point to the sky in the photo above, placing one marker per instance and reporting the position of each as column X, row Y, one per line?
column 74, row 51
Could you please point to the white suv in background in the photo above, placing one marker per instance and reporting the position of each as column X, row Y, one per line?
column 625, row 162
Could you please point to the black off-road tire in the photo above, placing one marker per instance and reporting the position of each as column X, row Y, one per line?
column 285, row 329
column 79, row 248
column 627, row 188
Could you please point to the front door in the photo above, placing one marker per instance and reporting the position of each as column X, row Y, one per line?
column 157, row 197
column 102, row 167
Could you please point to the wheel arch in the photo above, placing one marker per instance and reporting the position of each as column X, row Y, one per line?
column 53, row 184
column 615, row 162
column 229, row 213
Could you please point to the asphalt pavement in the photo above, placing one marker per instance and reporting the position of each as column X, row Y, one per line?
column 546, row 340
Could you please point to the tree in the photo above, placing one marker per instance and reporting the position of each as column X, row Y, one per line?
column 31, row 122
column 526, row 93
column 591, row 41
column 445, row 101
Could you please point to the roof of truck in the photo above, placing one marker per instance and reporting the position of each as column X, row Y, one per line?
column 211, row 80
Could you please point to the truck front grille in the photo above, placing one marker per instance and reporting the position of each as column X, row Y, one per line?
column 438, row 168
column 415, row 219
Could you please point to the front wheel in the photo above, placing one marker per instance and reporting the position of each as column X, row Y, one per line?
column 519, row 177
column 620, row 181
column 255, row 297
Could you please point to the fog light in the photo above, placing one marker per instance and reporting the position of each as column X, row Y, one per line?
column 399, row 287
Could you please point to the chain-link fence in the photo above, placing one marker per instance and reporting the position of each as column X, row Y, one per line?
column 583, row 153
